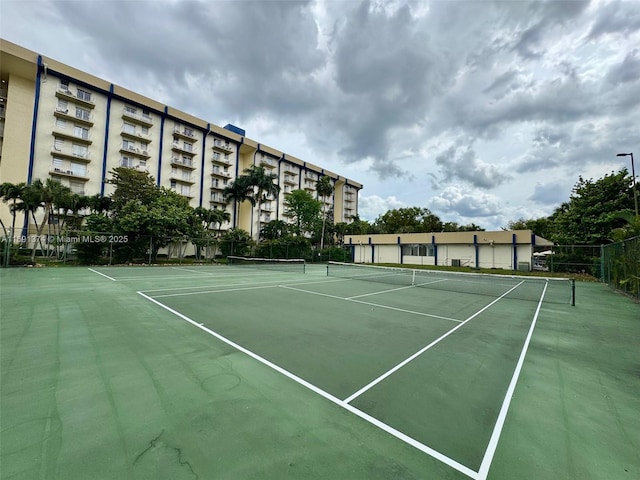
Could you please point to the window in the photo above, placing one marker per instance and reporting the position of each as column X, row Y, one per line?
column 224, row 182
column 61, row 123
column 76, row 187
column 131, row 110
column 80, row 150
column 64, row 85
column 58, row 144
column 145, row 130
column 63, row 106
column 83, row 95
column 145, row 114
column 79, row 169
column 81, row 132
column 188, row 132
column 186, row 175
column 142, row 163
column 214, row 183
column 58, row 163
column 128, row 145
column 173, row 184
column 187, row 146
column 144, row 146
column 129, row 128
column 83, row 113
column 126, row 162
column 418, row 250
column 174, row 171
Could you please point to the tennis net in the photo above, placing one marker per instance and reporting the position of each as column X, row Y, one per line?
column 279, row 264
column 558, row 290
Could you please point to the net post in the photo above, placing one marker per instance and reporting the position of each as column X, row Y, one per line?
column 572, row 284
column 413, row 278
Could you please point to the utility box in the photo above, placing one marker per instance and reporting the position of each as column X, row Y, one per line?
column 455, row 262
column 524, row 267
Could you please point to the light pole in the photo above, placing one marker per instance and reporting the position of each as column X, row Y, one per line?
column 633, row 173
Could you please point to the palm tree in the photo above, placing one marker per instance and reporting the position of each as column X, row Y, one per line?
column 264, row 186
column 41, row 195
column 238, row 191
column 324, row 187
column 12, row 192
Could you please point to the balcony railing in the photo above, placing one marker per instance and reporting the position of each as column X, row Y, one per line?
column 181, row 132
column 182, row 162
column 219, row 158
column 141, row 118
column 217, row 198
column 85, row 99
column 70, row 154
column 224, row 146
column 69, row 172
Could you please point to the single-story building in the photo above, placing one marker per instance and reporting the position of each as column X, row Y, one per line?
column 510, row 250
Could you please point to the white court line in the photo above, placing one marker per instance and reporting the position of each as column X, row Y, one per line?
column 424, row 349
column 107, row 276
column 214, row 291
column 279, row 282
column 497, row 429
column 372, row 304
column 376, row 293
column 383, row 426
column 192, row 271
column 394, row 289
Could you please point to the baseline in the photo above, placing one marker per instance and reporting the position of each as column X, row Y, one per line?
column 383, row 426
column 106, row 276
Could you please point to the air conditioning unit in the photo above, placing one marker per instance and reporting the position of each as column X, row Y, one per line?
column 455, row 262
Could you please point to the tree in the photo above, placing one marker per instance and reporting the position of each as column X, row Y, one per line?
column 236, row 241
column 238, row 191
column 324, row 187
column 132, row 186
column 274, row 230
column 592, row 212
column 41, row 195
column 264, row 185
column 540, row 226
column 10, row 192
column 408, row 220
column 303, row 210
column 359, row 227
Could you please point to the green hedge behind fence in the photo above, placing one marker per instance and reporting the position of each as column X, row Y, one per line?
column 621, row 266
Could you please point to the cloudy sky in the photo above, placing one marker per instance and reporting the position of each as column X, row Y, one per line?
column 480, row 111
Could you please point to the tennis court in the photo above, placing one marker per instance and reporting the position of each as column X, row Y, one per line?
column 314, row 372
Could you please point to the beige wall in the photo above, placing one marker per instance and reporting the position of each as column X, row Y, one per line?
column 19, row 66
column 494, row 249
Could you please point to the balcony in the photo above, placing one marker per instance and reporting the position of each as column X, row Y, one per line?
column 85, row 100
column 178, row 177
column 268, row 162
column 140, row 167
column 181, row 162
column 77, row 117
column 222, row 146
column 133, row 150
column 288, row 180
column 220, row 159
column 84, row 139
column 217, row 198
column 184, row 133
column 69, row 154
column 145, row 137
column 220, row 173
column 288, row 168
column 69, row 172
column 140, row 118
column 176, row 147
column 184, row 192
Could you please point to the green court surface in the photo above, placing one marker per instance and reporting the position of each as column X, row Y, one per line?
column 236, row 372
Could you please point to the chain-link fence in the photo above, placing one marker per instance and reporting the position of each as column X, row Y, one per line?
column 621, row 266
column 579, row 259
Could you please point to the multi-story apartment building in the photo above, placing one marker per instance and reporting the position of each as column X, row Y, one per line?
column 61, row 123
